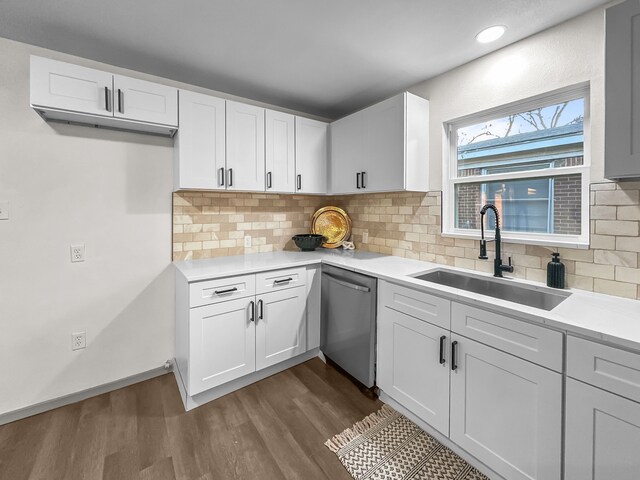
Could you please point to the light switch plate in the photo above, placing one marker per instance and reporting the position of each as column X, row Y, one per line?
column 4, row 210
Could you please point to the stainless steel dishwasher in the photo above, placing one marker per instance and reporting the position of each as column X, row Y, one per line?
column 349, row 322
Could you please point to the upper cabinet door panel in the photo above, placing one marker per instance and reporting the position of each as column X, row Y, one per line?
column 145, row 101
column 70, row 87
column 311, row 156
column 280, row 152
column 622, row 91
column 245, row 147
column 346, row 154
column 200, row 142
column 383, row 161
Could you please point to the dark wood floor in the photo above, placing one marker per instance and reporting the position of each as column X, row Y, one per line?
column 273, row 429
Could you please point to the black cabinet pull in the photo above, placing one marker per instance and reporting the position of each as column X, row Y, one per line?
column 362, row 183
column 252, row 311
column 260, row 309
column 268, row 179
column 299, row 182
column 454, row 365
column 230, row 182
column 443, row 338
column 120, row 101
column 107, row 103
column 228, row 290
column 221, row 176
column 358, row 180
column 284, row 280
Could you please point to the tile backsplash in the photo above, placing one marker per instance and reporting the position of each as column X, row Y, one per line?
column 210, row 224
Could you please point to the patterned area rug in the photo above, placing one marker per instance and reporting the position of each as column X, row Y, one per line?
column 388, row 446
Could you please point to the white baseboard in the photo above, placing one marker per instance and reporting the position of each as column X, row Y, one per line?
column 205, row 397
column 470, row 459
column 79, row 396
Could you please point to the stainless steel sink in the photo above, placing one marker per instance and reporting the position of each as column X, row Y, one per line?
column 531, row 296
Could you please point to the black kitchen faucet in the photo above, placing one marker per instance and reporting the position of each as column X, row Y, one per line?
column 498, row 267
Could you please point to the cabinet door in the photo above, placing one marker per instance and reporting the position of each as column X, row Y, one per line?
column 200, row 142
column 383, row 160
column 506, row 412
column 311, row 156
column 70, row 87
column 346, row 154
column 280, row 152
column 145, row 101
column 409, row 368
column 245, row 147
column 602, row 434
column 221, row 342
column 281, row 324
column 622, row 91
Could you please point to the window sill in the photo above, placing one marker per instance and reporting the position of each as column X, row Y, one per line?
column 509, row 237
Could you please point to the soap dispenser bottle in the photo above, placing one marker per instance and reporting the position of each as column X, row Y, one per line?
column 555, row 272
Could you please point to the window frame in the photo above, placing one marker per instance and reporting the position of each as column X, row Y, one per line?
column 450, row 169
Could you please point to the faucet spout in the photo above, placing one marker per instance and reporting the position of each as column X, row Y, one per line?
column 498, row 267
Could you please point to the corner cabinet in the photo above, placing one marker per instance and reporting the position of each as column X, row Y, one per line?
column 233, row 331
column 622, row 91
column 311, row 156
column 382, row 148
column 70, row 93
column 490, row 383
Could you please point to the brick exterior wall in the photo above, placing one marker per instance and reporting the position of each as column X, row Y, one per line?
column 567, row 214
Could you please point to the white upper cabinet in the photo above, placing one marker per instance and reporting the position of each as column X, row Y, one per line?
column 145, row 101
column 383, row 148
column 70, row 93
column 70, row 87
column 280, row 152
column 622, row 91
column 245, row 147
column 311, row 156
column 199, row 148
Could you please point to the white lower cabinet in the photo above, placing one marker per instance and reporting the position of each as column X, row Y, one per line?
column 505, row 411
column 222, row 341
column 602, row 435
column 412, row 366
column 280, row 326
column 491, row 395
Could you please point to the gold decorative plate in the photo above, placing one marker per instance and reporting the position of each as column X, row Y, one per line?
column 333, row 223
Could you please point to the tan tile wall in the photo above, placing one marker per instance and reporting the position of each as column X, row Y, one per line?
column 408, row 225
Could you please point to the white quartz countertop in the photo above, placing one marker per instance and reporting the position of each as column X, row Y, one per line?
column 593, row 315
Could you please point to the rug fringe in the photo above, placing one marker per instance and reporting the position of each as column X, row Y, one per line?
column 342, row 439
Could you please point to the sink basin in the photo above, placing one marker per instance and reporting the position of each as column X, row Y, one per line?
column 531, row 296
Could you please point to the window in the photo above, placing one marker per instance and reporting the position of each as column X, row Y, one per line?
column 528, row 159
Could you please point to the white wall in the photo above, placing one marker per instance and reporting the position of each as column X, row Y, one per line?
column 565, row 55
column 75, row 184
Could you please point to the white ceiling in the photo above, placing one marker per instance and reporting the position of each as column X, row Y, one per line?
column 326, row 57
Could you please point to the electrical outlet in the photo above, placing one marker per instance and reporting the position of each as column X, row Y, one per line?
column 4, row 210
column 247, row 241
column 78, row 340
column 365, row 236
column 77, row 253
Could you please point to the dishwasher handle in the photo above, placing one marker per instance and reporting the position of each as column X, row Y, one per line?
column 360, row 288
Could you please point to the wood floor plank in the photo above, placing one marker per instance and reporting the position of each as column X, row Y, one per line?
column 274, row 429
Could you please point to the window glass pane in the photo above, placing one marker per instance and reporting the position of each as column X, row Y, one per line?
column 545, row 137
column 542, row 205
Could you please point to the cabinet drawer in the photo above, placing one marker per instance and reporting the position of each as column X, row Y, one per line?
column 423, row 306
column 220, row 290
column 537, row 344
column 610, row 368
column 280, row 279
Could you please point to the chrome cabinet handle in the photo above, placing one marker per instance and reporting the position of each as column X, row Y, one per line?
column 221, row 176
column 120, row 101
column 107, row 98
column 228, row 290
column 252, row 311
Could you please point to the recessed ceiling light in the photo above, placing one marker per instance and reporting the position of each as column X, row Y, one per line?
column 490, row 34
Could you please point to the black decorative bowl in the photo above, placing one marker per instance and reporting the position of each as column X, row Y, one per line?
column 308, row 242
